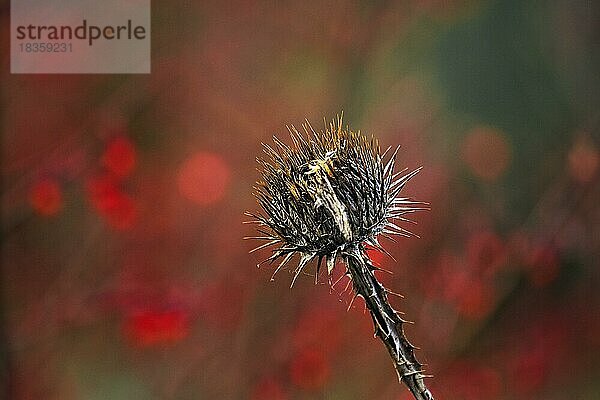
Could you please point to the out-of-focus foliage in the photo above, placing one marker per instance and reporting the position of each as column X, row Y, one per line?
column 124, row 275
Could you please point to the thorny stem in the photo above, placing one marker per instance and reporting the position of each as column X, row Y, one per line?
column 387, row 322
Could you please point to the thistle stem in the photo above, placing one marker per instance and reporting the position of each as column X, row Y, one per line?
column 388, row 324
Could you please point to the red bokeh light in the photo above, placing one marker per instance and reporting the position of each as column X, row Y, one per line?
column 467, row 283
column 45, row 197
column 310, row 369
column 102, row 191
column 123, row 213
column 476, row 300
column 117, row 207
column 466, row 291
column 203, row 178
column 120, row 156
column 150, row 328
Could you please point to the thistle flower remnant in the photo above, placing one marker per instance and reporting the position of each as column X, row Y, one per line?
column 329, row 196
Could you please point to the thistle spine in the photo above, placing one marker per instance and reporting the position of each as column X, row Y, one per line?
column 386, row 321
column 328, row 197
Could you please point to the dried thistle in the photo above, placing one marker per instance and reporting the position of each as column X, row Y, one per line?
column 331, row 195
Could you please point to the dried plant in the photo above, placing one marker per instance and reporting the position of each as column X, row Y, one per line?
column 329, row 196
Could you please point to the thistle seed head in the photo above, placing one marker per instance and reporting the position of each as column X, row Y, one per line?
column 330, row 191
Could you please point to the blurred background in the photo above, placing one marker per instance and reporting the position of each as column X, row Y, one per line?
column 124, row 272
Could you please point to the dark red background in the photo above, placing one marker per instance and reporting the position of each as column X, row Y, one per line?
column 124, row 273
